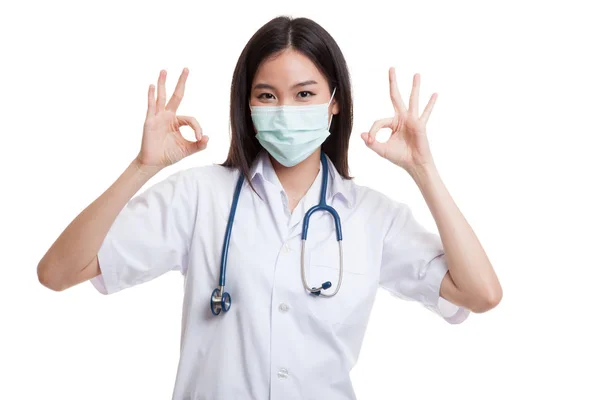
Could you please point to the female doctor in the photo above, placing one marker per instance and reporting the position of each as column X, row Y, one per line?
column 277, row 292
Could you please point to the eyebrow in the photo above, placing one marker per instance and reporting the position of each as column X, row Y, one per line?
column 267, row 86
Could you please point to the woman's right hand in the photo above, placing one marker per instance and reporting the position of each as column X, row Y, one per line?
column 162, row 142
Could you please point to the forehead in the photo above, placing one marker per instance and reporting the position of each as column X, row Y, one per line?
column 288, row 68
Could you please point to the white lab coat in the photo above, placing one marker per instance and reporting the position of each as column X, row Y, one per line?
column 258, row 349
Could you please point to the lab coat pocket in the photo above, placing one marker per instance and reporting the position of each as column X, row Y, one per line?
column 349, row 304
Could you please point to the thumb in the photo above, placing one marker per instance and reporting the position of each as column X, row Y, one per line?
column 373, row 144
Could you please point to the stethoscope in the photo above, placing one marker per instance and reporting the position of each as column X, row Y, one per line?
column 221, row 300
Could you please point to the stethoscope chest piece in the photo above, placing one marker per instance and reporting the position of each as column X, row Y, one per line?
column 218, row 302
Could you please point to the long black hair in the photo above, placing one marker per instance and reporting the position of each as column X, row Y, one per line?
column 309, row 38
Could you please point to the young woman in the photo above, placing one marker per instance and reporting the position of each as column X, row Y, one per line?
column 289, row 320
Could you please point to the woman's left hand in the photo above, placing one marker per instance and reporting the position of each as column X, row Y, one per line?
column 407, row 146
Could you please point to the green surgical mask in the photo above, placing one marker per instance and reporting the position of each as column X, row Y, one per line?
column 291, row 133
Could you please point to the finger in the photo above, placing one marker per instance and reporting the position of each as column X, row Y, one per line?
column 370, row 138
column 193, row 123
column 425, row 116
column 194, row 147
column 151, row 102
column 413, row 103
column 178, row 92
column 378, row 125
column 160, row 101
column 373, row 144
column 399, row 106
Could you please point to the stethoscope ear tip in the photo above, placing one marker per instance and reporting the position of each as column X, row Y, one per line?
column 325, row 285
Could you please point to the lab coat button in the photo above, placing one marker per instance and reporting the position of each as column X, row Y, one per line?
column 282, row 373
column 287, row 248
column 283, row 307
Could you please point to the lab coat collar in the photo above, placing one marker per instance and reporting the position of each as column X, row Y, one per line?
column 338, row 186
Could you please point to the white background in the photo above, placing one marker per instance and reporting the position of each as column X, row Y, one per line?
column 514, row 134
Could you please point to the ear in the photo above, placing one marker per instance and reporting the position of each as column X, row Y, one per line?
column 335, row 109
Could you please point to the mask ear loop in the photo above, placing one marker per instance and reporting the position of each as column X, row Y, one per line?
column 330, row 100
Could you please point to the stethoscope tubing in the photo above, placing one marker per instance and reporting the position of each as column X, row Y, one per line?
column 226, row 240
column 221, row 300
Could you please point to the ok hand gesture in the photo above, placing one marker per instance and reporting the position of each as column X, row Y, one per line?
column 407, row 146
column 162, row 142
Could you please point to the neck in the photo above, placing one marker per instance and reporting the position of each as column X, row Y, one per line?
column 298, row 179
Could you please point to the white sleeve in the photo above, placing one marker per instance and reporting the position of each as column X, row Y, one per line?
column 150, row 236
column 413, row 266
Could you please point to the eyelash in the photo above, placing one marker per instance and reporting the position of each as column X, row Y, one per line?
column 262, row 95
column 306, row 91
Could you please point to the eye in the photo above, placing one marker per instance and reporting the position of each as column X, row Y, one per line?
column 265, row 95
column 305, row 94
